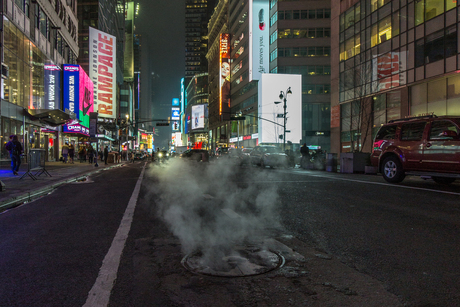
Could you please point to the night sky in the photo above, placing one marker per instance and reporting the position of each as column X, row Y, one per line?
column 162, row 26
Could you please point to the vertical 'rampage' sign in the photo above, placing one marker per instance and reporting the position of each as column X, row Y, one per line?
column 102, row 71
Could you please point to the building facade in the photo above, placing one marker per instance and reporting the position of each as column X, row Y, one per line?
column 107, row 16
column 391, row 59
column 38, row 38
column 197, row 14
column 300, row 43
column 217, row 26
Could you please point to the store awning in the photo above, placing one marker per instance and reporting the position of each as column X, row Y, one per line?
column 53, row 118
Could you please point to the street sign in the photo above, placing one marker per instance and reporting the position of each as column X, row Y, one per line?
column 162, row 124
column 287, row 131
column 280, row 115
column 237, row 118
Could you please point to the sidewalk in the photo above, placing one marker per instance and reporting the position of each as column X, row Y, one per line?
column 15, row 189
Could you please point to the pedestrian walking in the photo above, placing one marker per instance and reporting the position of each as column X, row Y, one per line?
column 305, row 152
column 15, row 149
column 65, row 151
column 90, row 152
column 106, row 154
column 71, row 152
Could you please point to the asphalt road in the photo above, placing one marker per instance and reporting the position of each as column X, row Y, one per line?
column 347, row 240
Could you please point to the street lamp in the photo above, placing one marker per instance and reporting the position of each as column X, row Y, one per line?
column 283, row 97
column 127, row 139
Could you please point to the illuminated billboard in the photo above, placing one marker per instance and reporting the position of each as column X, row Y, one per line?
column 175, row 102
column 78, row 92
column 75, row 127
column 175, row 113
column 52, row 87
column 128, row 71
column 270, row 87
column 198, row 115
column 103, row 72
column 224, row 95
column 259, row 37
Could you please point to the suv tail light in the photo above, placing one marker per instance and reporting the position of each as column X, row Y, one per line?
column 378, row 145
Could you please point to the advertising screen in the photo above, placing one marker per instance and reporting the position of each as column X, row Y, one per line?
column 75, row 127
column 259, row 37
column 86, row 98
column 224, row 106
column 198, row 116
column 270, row 87
column 103, row 72
column 71, row 88
column 78, row 92
column 175, row 102
column 175, row 113
column 128, row 72
column 52, row 87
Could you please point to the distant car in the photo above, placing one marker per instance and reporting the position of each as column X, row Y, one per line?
column 162, row 156
column 195, row 155
column 267, row 155
column 245, row 157
column 426, row 146
column 222, row 152
column 138, row 156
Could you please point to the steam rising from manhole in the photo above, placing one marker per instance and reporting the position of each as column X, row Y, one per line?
column 239, row 262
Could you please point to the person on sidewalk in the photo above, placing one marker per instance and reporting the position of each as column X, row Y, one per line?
column 90, row 152
column 65, row 151
column 15, row 149
column 71, row 152
column 106, row 154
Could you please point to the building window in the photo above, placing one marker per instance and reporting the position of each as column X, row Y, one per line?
column 436, row 46
column 273, row 55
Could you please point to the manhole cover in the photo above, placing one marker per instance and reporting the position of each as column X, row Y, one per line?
column 241, row 261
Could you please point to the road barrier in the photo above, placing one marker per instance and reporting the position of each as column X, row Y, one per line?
column 36, row 163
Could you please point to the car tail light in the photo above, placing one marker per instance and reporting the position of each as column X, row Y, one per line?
column 378, row 144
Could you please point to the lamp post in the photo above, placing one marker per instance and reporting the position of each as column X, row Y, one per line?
column 127, row 140
column 283, row 96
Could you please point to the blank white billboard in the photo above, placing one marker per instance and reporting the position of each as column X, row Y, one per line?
column 271, row 121
column 259, row 36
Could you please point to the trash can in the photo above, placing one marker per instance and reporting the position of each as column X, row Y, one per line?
column 331, row 162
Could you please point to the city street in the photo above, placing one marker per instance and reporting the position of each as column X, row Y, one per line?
column 343, row 239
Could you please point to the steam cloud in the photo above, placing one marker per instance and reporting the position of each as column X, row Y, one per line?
column 211, row 207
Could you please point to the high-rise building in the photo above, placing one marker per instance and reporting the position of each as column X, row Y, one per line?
column 106, row 16
column 217, row 32
column 300, row 43
column 391, row 59
column 197, row 14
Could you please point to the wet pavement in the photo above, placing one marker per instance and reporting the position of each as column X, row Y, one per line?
column 26, row 185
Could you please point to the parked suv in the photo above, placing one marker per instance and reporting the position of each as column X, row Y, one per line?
column 423, row 146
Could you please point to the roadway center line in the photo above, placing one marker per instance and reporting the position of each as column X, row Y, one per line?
column 99, row 295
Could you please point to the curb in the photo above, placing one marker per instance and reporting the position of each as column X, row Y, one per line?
column 34, row 194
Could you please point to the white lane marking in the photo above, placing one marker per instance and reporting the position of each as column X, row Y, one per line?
column 99, row 295
column 378, row 183
column 230, row 213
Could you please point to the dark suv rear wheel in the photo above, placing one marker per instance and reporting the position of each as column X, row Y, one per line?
column 392, row 170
